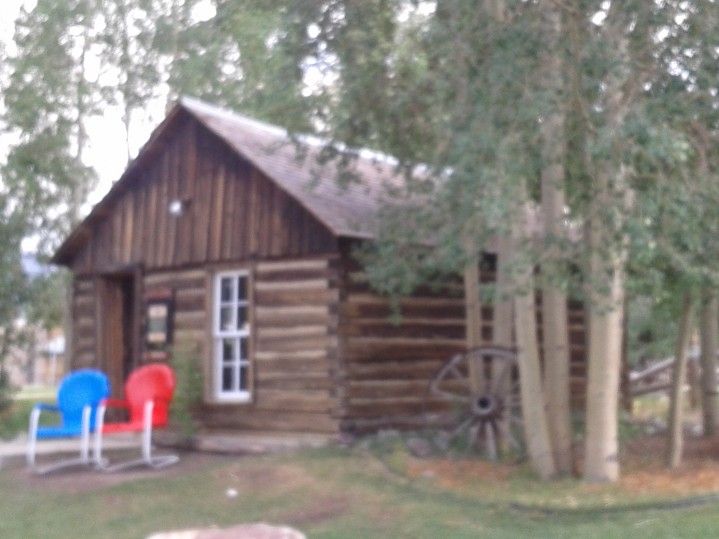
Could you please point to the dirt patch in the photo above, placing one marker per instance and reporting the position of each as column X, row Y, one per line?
column 321, row 510
column 642, row 462
column 645, row 472
column 459, row 473
column 84, row 479
column 250, row 474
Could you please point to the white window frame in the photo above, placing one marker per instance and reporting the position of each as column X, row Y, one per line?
column 218, row 335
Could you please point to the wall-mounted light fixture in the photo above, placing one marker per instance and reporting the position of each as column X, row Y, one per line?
column 178, row 206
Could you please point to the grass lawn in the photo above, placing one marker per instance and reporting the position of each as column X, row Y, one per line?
column 325, row 493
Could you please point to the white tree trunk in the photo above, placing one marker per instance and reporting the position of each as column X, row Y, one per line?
column 601, row 459
column 554, row 301
column 534, row 408
column 708, row 330
column 676, row 404
column 606, row 312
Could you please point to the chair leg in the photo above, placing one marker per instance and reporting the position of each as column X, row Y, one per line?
column 159, row 461
column 32, row 437
column 85, row 441
column 97, row 458
column 82, row 460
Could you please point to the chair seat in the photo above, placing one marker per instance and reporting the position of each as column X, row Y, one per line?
column 58, row 431
column 127, row 426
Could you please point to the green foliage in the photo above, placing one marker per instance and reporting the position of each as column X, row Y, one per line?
column 6, row 391
column 189, row 389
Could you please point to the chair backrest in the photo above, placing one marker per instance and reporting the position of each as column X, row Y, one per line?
column 155, row 381
column 85, row 387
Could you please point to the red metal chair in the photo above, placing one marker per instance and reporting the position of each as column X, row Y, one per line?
column 148, row 394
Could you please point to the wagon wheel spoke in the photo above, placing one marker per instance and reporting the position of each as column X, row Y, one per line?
column 499, row 382
column 508, row 435
column 492, row 412
column 464, row 424
column 490, row 440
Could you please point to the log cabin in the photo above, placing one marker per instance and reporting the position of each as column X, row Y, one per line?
column 218, row 238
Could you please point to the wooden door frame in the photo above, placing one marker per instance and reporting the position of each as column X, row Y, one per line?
column 104, row 283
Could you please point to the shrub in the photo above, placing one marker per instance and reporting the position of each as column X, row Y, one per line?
column 189, row 390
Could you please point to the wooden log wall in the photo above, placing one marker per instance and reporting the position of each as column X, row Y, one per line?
column 294, row 345
column 389, row 365
column 83, row 348
column 190, row 296
column 232, row 212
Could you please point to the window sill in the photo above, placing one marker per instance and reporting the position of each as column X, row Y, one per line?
column 230, row 399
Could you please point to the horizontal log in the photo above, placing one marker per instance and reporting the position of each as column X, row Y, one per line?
column 401, row 342
column 164, row 278
column 194, row 301
column 85, row 322
column 395, row 407
column 287, row 316
column 85, row 342
column 306, row 382
column 84, row 285
column 373, row 299
column 268, row 333
column 276, row 286
column 406, row 352
column 293, row 400
column 382, row 310
column 84, row 311
column 285, row 265
column 288, row 355
column 388, row 370
column 249, row 417
column 297, row 343
column 82, row 300
column 421, row 293
column 296, row 297
column 401, row 422
column 409, row 321
column 291, row 368
column 392, row 389
column 86, row 359
column 193, row 320
column 290, row 275
column 402, row 331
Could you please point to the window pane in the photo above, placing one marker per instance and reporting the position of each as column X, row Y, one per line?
column 241, row 316
column 227, row 379
column 242, row 288
column 243, row 348
column 226, row 289
column 228, row 350
column 243, row 378
column 226, row 319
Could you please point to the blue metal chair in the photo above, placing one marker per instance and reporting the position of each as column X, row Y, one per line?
column 78, row 397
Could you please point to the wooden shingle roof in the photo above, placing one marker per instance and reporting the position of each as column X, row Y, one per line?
column 291, row 162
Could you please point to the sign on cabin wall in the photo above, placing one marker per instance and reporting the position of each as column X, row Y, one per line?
column 158, row 324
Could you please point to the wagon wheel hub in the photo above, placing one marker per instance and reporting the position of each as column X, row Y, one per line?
column 490, row 417
column 486, row 406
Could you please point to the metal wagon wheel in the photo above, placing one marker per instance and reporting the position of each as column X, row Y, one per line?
column 490, row 417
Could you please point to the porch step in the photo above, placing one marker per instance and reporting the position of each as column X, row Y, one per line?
column 255, row 442
column 12, row 453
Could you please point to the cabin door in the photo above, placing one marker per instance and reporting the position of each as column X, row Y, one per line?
column 118, row 316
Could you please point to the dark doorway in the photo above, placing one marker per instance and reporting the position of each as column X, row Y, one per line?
column 118, row 318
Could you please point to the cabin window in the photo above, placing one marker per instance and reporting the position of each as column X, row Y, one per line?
column 231, row 334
